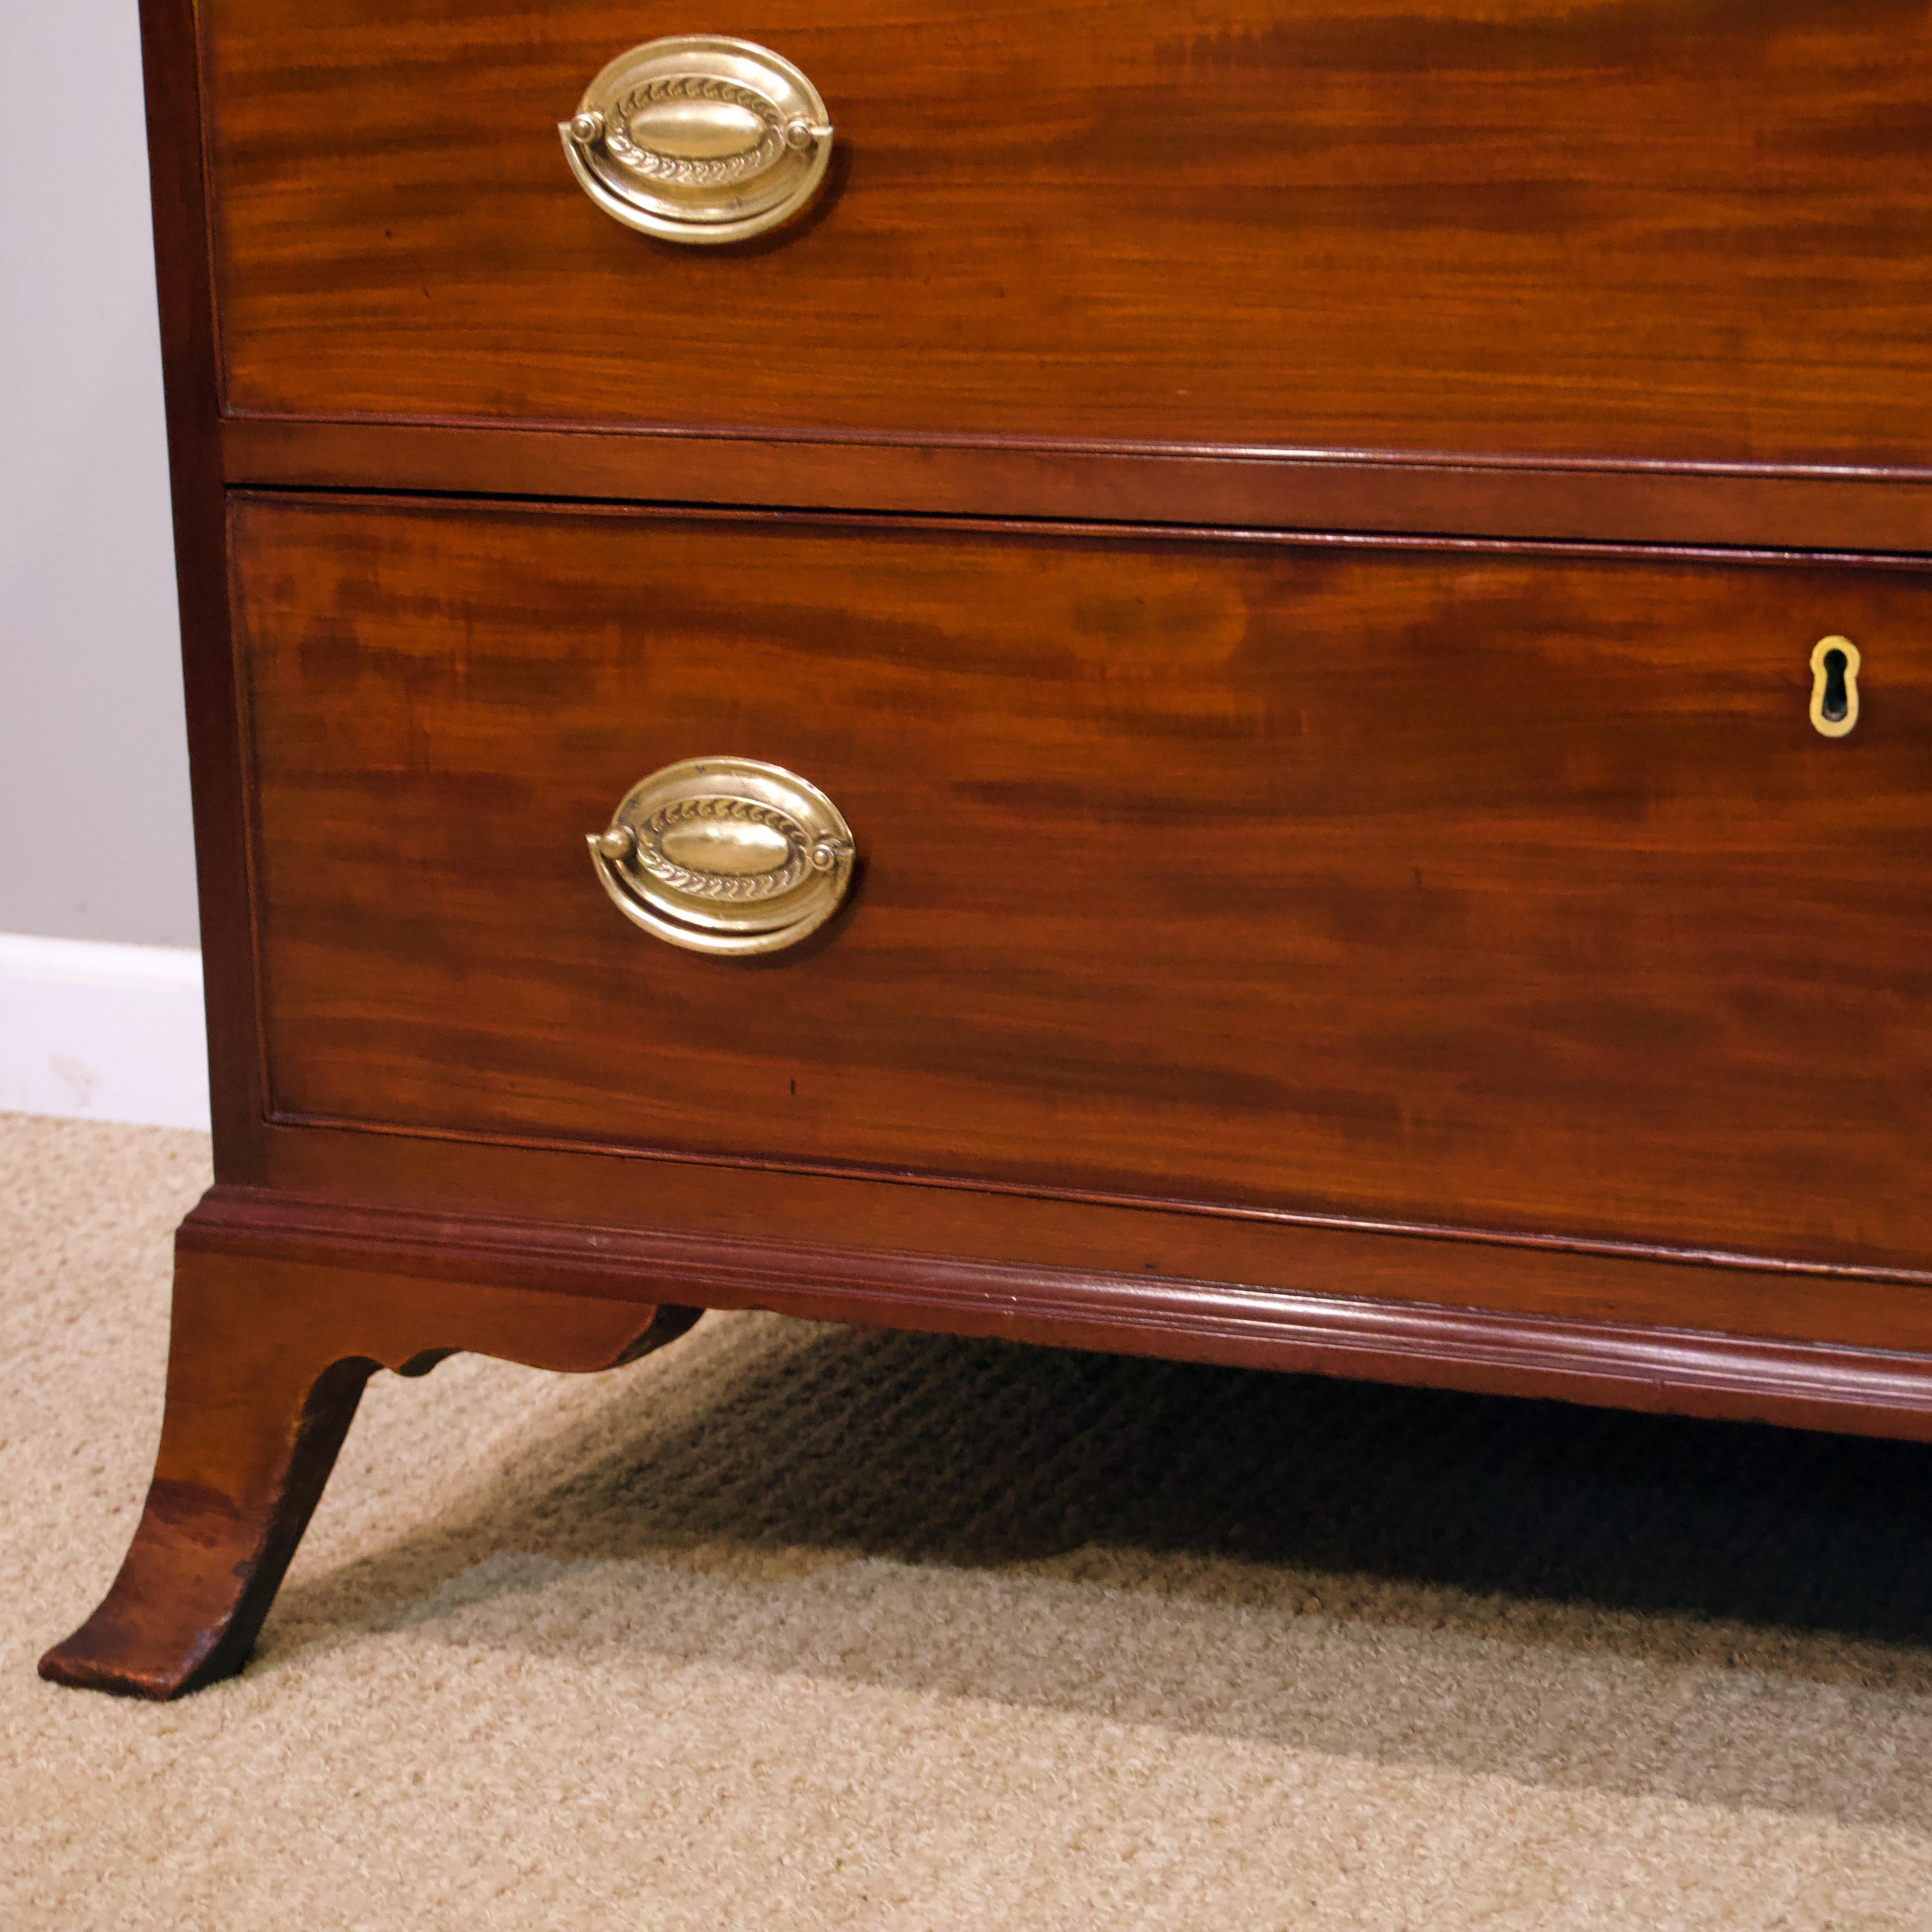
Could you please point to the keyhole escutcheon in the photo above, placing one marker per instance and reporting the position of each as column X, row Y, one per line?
column 1834, row 686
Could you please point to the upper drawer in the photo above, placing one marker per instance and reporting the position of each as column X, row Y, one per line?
column 1530, row 226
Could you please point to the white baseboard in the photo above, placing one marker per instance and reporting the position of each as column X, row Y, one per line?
column 90, row 1031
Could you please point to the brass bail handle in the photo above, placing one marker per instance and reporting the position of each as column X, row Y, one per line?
column 725, row 855
column 699, row 138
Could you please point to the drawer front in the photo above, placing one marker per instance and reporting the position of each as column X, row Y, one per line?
column 1537, row 227
column 1514, row 891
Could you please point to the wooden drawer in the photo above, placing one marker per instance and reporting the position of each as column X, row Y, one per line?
column 1535, row 227
column 1421, row 884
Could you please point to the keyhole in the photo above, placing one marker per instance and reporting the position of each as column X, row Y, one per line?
column 1834, row 686
column 1832, row 706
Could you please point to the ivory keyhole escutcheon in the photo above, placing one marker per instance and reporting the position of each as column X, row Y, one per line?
column 1834, row 686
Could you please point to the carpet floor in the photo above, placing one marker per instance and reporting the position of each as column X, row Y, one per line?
column 790, row 1626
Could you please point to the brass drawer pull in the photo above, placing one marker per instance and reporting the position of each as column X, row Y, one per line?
column 725, row 855
column 699, row 139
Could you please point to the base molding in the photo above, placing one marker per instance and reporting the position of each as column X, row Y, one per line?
column 1683, row 1372
column 284, row 1305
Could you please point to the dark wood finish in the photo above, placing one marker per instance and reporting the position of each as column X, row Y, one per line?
column 190, row 386
column 425, row 1257
column 1541, row 228
column 1256, row 490
column 1502, row 987
column 1507, row 891
column 267, row 1360
column 446, row 1178
column 284, row 1307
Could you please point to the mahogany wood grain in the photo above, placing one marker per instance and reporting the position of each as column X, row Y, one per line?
column 1611, row 228
column 1455, row 963
column 1671, row 1369
column 267, row 1360
column 189, row 386
column 443, row 1178
column 284, row 1307
column 1506, row 891
column 1011, row 478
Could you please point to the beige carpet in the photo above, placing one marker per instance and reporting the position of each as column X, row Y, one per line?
column 796, row 1627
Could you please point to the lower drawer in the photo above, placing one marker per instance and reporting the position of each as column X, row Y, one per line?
column 1435, row 885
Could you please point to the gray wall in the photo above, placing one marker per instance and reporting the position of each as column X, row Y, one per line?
column 94, row 809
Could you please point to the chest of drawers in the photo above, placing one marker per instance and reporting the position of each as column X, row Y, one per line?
column 1249, row 682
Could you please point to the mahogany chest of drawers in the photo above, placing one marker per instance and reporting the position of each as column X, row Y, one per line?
column 1251, row 682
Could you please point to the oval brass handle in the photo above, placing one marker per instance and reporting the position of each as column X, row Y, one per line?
column 725, row 855
column 699, row 138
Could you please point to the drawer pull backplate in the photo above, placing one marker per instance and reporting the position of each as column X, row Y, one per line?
column 725, row 855
column 699, row 139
